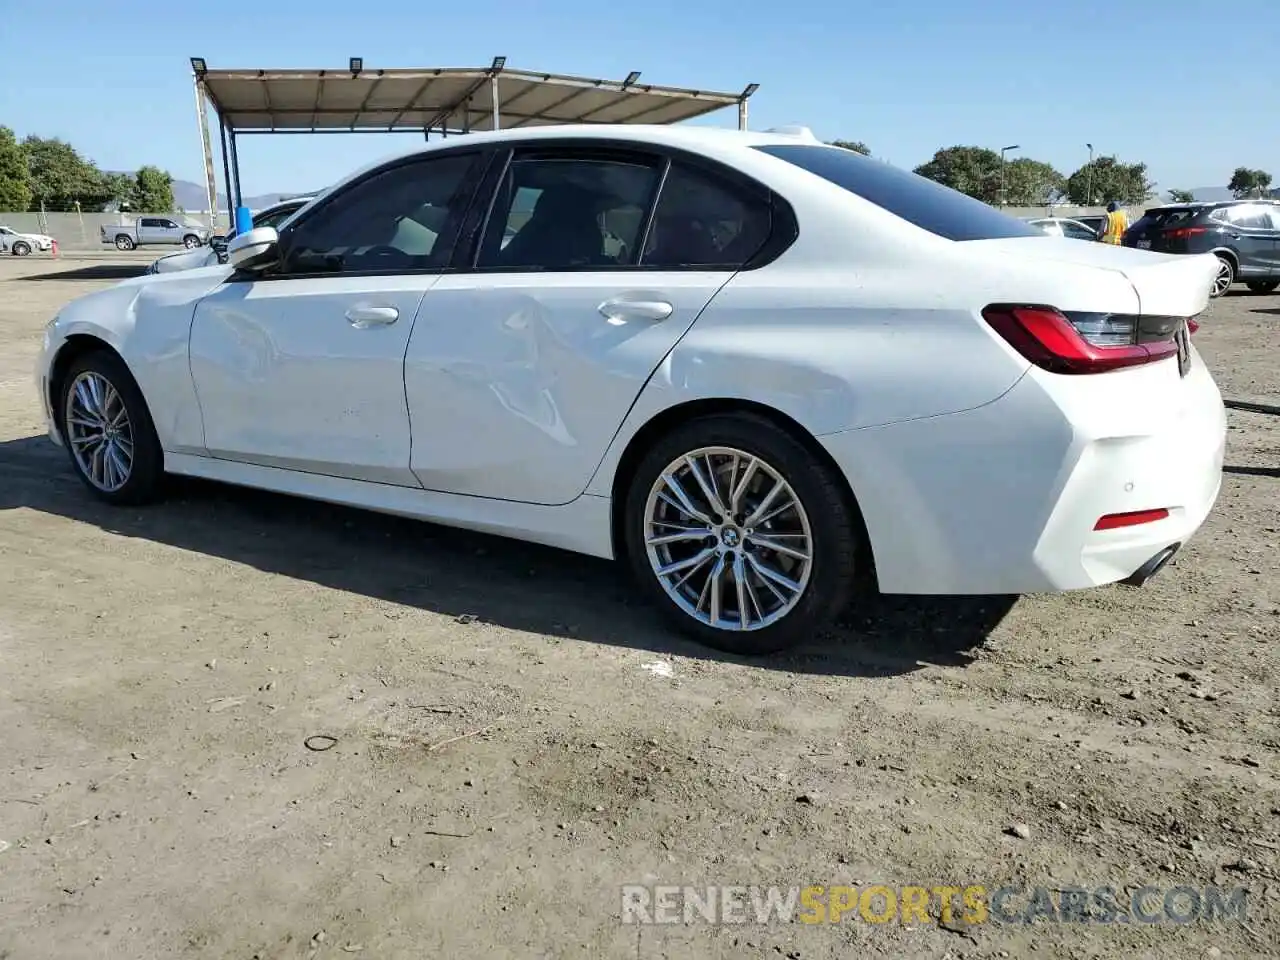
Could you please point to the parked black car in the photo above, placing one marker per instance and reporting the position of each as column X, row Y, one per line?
column 1244, row 234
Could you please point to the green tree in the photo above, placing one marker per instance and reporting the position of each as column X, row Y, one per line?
column 1181, row 196
column 1111, row 180
column 60, row 176
column 120, row 187
column 1249, row 183
column 857, row 146
column 971, row 170
column 1031, row 183
column 153, row 191
column 15, row 187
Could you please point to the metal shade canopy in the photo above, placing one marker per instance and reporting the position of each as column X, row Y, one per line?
column 445, row 100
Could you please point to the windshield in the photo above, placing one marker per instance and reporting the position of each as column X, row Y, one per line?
column 929, row 205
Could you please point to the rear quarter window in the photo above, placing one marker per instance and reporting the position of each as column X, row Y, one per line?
column 916, row 199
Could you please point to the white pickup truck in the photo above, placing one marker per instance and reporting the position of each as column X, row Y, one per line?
column 147, row 231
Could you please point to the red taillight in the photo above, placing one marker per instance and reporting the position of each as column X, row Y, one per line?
column 1049, row 340
column 1113, row 521
column 1181, row 233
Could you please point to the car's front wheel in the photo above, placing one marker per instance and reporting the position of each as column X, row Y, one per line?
column 21, row 248
column 743, row 537
column 1263, row 286
column 1225, row 277
column 191, row 241
column 108, row 430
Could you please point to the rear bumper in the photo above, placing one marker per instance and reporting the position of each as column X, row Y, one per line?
column 1004, row 498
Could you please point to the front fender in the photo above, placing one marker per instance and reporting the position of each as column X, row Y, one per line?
column 147, row 321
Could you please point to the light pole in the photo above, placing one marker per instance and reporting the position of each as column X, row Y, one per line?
column 1004, row 200
column 1088, row 178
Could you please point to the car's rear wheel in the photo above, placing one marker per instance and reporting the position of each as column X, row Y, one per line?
column 124, row 243
column 21, row 248
column 1263, row 286
column 1225, row 277
column 744, row 538
column 108, row 430
column 191, row 241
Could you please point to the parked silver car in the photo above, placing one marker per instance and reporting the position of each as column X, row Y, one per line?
column 1065, row 227
column 21, row 244
column 273, row 216
column 155, row 230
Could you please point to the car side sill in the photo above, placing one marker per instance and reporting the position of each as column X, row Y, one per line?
column 583, row 525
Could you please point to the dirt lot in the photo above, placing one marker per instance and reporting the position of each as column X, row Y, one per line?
column 507, row 755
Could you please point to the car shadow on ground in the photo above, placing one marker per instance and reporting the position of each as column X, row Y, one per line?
column 455, row 572
column 1252, row 471
column 1273, row 311
column 99, row 271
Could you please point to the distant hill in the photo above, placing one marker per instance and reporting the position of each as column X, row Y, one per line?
column 1212, row 194
column 190, row 197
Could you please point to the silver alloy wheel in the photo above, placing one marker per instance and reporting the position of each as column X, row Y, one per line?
column 190, row 242
column 728, row 539
column 124, row 243
column 99, row 431
column 1222, row 281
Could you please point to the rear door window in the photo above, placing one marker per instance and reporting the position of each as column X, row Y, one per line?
column 1078, row 231
column 276, row 217
column 568, row 210
column 920, row 201
column 1249, row 215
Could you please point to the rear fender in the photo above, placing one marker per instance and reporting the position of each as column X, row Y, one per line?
column 836, row 363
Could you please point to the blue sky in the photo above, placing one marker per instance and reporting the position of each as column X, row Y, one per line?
column 1168, row 82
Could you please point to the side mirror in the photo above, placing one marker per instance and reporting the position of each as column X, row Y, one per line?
column 254, row 251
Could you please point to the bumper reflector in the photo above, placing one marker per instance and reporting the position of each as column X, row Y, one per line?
column 1113, row 521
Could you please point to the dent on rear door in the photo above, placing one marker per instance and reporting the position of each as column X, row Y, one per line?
column 517, row 383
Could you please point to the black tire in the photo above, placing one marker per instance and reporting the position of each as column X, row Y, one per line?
column 1263, row 286
column 147, row 470
column 21, row 248
column 833, row 523
column 124, row 242
column 191, row 241
column 1227, row 273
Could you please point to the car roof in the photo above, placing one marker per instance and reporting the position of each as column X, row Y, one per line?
column 300, row 201
column 691, row 138
column 1209, row 204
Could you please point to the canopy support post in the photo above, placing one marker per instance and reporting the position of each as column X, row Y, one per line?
column 210, row 178
column 226, row 173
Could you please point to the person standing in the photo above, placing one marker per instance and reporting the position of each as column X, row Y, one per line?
column 1117, row 224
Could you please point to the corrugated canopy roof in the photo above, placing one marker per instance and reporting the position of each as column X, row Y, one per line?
column 453, row 98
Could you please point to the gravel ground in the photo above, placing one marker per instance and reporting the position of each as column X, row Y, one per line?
column 517, row 736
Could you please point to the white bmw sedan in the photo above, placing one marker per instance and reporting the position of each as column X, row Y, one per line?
column 763, row 371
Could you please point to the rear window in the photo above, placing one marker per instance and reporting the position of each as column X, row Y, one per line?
column 930, row 206
column 1161, row 218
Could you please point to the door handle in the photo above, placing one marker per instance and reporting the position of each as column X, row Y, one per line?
column 1233, row 236
column 620, row 311
column 364, row 317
